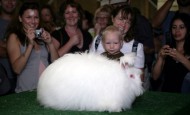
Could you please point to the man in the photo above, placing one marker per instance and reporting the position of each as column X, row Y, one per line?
column 8, row 8
column 7, row 11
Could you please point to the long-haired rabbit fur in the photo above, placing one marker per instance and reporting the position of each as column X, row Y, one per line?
column 89, row 82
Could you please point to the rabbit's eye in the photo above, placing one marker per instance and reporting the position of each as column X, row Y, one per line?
column 132, row 76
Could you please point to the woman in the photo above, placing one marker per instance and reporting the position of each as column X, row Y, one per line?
column 123, row 17
column 71, row 38
column 173, row 60
column 29, row 55
column 102, row 19
column 48, row 19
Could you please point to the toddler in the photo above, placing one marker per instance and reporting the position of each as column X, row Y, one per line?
column 112, row 42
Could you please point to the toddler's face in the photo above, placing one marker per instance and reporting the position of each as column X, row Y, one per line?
column 112, row 42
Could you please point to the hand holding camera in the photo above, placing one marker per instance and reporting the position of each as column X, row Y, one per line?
column 43, row 35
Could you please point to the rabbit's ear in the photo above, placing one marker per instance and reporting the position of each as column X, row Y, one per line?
column 124, row 65
column 128, row 59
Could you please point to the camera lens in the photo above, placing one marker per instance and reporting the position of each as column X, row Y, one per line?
column 38, row 33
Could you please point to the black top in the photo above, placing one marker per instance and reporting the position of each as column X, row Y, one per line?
column 62, row 36
column 174, row 73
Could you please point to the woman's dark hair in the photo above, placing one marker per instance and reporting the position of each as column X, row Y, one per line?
column 88, row 16
column 53, row 20
column 16, row 26
column 73, row 4
column 125, row 11
column 185, row 18
column 51, row 11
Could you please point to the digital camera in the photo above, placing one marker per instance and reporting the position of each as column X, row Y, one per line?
column 38, row 33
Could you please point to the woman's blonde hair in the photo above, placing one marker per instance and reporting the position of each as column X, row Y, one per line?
column 106, row 8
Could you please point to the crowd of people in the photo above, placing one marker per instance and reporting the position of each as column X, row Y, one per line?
column 31, row 39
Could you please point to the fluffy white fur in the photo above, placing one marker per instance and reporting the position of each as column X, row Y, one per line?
column 128, row 59
column 89, row 82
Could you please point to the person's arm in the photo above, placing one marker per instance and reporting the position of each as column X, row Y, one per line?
column 161, row 14
column 53, row 51
column 53, row 48
column 185, row 61
column 158, row 67
column 50, row 44
column 180, row 58
column 18, row 60
column 66, row 48
column 61, row 49
column 97, row 29
column 73, row 41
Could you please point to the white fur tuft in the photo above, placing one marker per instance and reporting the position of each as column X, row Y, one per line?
column 128, row 59
column 88, row 82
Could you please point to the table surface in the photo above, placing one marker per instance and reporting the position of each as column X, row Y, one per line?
column 150, row 103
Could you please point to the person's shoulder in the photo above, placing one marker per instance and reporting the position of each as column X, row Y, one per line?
column 141, row 17
column 4, row 22
column 13, row 37
column 143, row 29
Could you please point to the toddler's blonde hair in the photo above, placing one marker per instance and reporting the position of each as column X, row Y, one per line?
column 111, row 29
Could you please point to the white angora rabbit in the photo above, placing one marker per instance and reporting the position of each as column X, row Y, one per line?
column 89, row 82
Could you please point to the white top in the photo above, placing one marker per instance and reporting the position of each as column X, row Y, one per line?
column 127, row 48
